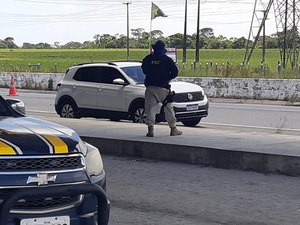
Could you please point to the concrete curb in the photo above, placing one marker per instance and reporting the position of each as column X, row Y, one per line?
column 205, row 156
column 243, row 149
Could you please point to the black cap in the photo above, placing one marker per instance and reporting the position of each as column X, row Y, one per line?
column 159, row 47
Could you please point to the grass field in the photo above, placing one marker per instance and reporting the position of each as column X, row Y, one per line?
column 218, row 63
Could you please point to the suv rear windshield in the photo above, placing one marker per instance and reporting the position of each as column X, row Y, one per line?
column 135, row 73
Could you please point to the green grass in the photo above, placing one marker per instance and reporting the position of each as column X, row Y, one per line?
column 57, row 60
column 218, row 63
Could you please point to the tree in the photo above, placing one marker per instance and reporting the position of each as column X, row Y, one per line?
column 2, row 44
column 97, row 39
column 271, row 41
column 239, row 43
column 42, row 46
column 88, row 45
column 140, row 38
column 157, row 34
column 137, row 33
column 72, row 45
column 9, row 41
column 206, row 37
column 107, row 41
column 224, row 42
column 289, row 35
column 27, row 45
column 207, row 32
column 175, row 40
column 56, row 44
column 121, row 41
column 143, row 42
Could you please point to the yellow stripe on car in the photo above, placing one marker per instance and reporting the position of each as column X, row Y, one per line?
column 60, row 147
column 6, row 149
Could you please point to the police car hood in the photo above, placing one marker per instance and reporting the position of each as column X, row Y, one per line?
column 31, row 136
column 183, row 87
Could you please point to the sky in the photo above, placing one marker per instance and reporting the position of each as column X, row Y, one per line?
column 62, row 21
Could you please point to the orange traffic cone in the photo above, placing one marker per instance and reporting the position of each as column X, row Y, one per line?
column 12, row 89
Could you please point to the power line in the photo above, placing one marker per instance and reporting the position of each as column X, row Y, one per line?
column 104, row 11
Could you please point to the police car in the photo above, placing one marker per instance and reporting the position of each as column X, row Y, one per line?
column 52, row 164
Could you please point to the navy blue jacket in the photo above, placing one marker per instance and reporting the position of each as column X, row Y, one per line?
column 159, row 70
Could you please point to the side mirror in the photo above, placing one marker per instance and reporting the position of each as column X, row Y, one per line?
column 17, row 105
column 119, row 81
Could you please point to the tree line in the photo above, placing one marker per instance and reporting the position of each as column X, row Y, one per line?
column 140, row 39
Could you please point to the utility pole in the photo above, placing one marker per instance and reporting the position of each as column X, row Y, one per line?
column 284, row 61
column 263, row 58
column 294, row 30
column 197, row 34
column 127, row 40
column 184, row 35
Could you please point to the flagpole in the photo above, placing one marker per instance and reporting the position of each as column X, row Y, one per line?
column 150, row 34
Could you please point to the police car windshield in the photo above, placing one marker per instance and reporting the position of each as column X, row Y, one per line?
column 135, row 73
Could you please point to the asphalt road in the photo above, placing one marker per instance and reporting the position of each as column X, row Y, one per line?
column 234, row 113
column 144, row 192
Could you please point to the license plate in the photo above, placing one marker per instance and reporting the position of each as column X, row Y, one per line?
column 192, row 107
column 58, row 220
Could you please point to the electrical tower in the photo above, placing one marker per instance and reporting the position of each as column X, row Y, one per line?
column 287, row 17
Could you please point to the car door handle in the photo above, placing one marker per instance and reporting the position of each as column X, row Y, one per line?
column 74, row 86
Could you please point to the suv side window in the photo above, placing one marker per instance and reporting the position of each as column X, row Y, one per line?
column 88, row 74
column 108, row 74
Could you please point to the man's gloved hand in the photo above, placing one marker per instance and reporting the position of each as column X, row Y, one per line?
column 169, row 98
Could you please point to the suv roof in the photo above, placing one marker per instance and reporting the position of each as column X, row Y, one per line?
column 112, row 63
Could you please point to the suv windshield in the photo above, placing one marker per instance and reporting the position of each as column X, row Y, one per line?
column 135, row 73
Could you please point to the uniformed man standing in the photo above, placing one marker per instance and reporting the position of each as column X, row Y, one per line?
column 159, row 70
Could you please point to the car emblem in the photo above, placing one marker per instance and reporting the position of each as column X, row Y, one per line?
column 41, row 179
column 190, row 97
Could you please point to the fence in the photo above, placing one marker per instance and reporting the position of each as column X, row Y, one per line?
column 230, row 70
column 32, row 67
column 208, row 69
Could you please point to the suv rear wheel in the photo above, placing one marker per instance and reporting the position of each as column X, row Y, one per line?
column 68, row 109
column 138, row 113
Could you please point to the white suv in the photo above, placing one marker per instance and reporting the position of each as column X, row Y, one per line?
column 116, row 90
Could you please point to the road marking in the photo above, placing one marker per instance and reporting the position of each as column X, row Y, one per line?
column 252, row 127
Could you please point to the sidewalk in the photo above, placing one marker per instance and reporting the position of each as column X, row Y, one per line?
column 245, row 149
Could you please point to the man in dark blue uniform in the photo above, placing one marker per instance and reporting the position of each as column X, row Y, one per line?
column 159, row 70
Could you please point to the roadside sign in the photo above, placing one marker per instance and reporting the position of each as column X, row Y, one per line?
column 172, row 53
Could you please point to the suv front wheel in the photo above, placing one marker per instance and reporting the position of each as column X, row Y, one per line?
column 68, row 109
column 191, row 122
